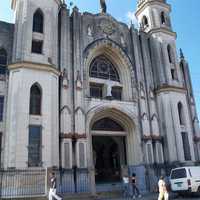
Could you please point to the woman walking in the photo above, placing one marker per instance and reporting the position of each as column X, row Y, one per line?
column 136, row 192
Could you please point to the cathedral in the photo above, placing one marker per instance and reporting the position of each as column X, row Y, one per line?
column 83, row 91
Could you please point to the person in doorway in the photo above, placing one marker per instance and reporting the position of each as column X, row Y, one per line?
column 163, row 193
column 52, row 191
column 126, row 186
column 136, row 192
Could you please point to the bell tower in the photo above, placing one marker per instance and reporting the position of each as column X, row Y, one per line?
column 32, row 108
column 154, row 19
column 153, row 15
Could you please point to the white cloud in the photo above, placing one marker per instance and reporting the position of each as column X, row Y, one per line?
column 132, row 18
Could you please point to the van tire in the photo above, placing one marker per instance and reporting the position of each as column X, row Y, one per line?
column 198, row 191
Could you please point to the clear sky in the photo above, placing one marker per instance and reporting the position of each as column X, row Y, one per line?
column 185, row 19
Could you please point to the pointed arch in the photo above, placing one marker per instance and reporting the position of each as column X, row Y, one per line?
column 80, row 109
column 170, row 54
column 35, row 99
column 119, row 59
column 181, row 114
column 101, row 67
column 144, row 116
column 107, row 124
column 163, row 18
column 145, row 21
column 154, row 117
column 38, row 21
column 3, row 60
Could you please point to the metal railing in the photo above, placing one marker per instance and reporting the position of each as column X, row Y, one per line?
column 22, row 183
column 34, row 182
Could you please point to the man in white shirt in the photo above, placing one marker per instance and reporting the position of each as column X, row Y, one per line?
column 126, row 186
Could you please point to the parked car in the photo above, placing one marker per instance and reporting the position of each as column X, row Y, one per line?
column 185, row 180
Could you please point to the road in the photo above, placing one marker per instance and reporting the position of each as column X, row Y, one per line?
column 155, row 197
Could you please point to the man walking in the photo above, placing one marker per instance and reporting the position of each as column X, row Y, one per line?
column 52, row 191
column 126, row 186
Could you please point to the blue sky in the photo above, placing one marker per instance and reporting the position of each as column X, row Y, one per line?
column 185, row 19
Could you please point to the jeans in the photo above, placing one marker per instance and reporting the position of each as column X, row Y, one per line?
column 135, row 190
column 126, row 190
column 52, row 194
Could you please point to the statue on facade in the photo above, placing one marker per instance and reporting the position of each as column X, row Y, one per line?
column 103, row 6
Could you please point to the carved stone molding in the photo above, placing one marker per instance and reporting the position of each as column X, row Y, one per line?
column 107, row 27
column 152, row 137
column 72, row 136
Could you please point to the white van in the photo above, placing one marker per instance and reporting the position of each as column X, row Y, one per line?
column 185, row 179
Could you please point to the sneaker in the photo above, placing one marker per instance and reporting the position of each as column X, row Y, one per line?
column 134, row 197
column 140, row 196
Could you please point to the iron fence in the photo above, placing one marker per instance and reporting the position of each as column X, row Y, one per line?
column 34, row 182
column 22, row 183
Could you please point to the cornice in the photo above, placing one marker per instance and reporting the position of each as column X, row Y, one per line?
column 151, row 3
column 13, row 3
column 34, row 66
column 170, row 89
column 162, row 30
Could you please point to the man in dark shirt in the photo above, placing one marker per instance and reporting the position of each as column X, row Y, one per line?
column 134, row 186
column 52, row 191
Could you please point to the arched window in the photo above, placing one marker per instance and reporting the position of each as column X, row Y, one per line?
column 107, row 124
column 38, row 21
column 35, row 100
column 170, row 54
column 181, row 113
column 3, row 61
column 102, row 68
column 145, row 21
column 163, row 20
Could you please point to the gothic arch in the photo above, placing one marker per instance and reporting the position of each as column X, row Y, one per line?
column 127, row 120
column 181, row 113
column 117, row 56
column 171, row 55
column 154, row 116
column 81, row 109
column 108, row 109
column 35, row 106
column 145, row 21
column 163, row 17
column 66, row 108
column 38, row 21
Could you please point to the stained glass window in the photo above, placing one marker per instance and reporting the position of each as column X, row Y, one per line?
column 107, row 124
column 102, row 68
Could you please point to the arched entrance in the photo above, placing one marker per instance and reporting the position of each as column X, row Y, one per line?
column 109, row 150
column 114, row 145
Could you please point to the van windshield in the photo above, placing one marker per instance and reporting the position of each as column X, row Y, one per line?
column 178, row 173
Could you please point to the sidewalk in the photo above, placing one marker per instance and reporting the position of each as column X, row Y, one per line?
column 148, row 196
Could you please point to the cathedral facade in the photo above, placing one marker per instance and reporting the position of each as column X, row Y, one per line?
column 85, row 91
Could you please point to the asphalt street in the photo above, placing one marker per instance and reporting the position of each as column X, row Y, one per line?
column 155, row 197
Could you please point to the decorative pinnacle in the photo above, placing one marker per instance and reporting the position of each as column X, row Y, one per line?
column 181, row 54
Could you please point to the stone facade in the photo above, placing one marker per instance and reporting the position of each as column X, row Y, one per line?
column 155, row 85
